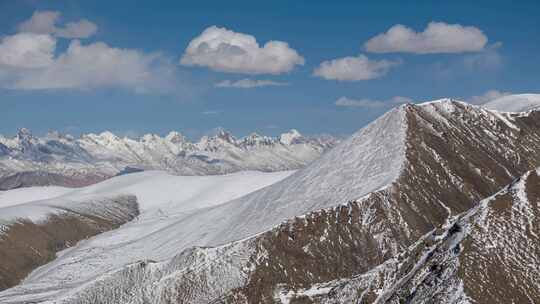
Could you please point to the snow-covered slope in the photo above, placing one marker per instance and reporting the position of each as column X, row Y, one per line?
column 358, row 206
column 373, row 155
column 67, row 161
column 24, row 195
column 514, row 103
column 163, row 200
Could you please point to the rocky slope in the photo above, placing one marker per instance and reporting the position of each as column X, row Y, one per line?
column 378, row 219
column 489, row 254
column 58, row 159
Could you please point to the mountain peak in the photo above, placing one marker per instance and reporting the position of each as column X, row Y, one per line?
column 24, row 133
column 108, row 135
column 290, row 137
column 175, row 137
column 225, row 135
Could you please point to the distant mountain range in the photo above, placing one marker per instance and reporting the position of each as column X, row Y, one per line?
column 57, row 159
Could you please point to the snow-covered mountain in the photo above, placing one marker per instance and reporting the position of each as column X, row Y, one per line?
column 515, row 103
column 39, row 219
column 397, row 212
column 58, row 159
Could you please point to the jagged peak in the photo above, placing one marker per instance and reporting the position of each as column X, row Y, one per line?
column 225, row 135
column 108, row 135
column 257, row 139
column 175, row 137
column 290, row 137
column 24, row 133
column 105, row 136
column 221, row 135
column 150, row 137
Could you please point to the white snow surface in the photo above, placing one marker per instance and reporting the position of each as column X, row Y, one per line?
column 24, row 195
column 515, row 103
column 164, row 200
column 177, row 216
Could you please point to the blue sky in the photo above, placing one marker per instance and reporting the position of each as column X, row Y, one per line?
column 70, row 93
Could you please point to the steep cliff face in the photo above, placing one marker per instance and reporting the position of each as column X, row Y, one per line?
column 398, row 212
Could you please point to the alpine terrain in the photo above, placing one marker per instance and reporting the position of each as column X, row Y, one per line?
column 57, row 159
column 437, row 202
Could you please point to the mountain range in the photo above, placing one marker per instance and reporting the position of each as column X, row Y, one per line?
column 56, row 159
column 436, row 202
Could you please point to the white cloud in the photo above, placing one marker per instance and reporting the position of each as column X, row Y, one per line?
column 30, row 60
column 97, row 65
column 224, row 50
column 248, row 83
column 80, row 29
column 487, row 97
column 354, row 68
column 27, row 50
column 41, row 22
column 27, row 61
column 44, row 22
column 438, row 37
column 370, row 103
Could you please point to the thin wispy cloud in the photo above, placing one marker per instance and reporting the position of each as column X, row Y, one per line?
column 248, row 83
column 210, row 112
column 371, row 103
column 224, row 50
column 437, row 37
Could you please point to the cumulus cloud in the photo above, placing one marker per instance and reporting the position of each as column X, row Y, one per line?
column 30, row 60
column 248, row 83
column 27, row 50
column 487, row 97
column 224, row 50
column 97, row 65
column 438, row 37
column 45, row 22
column 354, row 68
column 370, row 103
